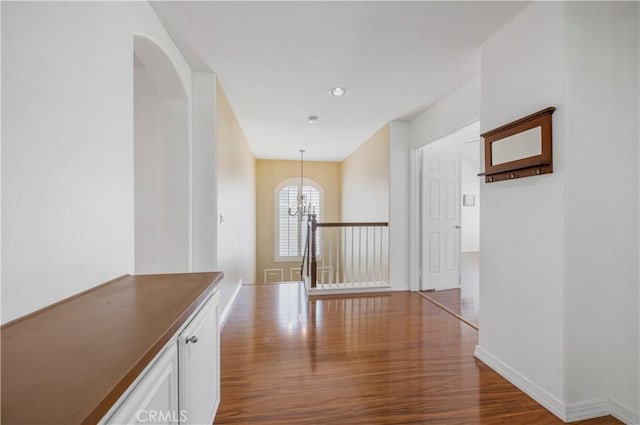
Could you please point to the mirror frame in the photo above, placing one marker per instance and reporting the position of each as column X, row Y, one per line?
column 523, row 167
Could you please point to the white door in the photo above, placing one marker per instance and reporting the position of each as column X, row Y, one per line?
column 199, row 365
column 440, row 219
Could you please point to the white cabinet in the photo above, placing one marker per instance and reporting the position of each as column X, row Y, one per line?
column 199, row 365
column 182, row 384
column 154, row 397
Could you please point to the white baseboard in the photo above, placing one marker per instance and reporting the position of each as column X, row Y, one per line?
column 568, row 413
column 603, row 407
column 623, row 413
column 328, row 290
column 587, row 410
column 548, row 401
column 227, row 308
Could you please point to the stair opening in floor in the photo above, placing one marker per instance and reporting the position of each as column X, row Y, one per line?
column 346, row 257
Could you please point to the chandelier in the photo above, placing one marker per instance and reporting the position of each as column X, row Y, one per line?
column 302, row 209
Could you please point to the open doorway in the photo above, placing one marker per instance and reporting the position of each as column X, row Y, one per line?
column 449, row 219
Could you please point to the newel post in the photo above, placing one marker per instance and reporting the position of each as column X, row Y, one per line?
column 312, row 253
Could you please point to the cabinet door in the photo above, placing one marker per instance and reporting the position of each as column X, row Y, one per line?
column 199, row 365
column 154, row 399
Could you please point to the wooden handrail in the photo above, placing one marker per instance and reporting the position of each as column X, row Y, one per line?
column 354, row 224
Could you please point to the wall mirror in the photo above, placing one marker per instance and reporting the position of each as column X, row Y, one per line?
column 521, row 148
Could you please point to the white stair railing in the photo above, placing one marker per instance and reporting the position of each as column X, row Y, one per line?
column 350, row 255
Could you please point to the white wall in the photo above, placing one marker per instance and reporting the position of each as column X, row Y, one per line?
column 365, row 180
column 67, row 146
column 454, row 111
column 559, row 253
column 522, row 270
column 602, row 204
column 148, row 167
column 470, row 215
column 399, row 205
column 204, row 172
column 1, row 220
column 177, row 206
column 161, row 164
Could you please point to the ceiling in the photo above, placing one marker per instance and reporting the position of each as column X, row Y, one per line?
column 277, row 62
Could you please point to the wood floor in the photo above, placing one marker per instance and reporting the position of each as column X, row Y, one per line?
column 464, row 301
column 385, row 359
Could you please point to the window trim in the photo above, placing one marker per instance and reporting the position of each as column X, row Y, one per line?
column 293, row 181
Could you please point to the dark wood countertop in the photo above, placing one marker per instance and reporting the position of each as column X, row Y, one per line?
column 70, row 362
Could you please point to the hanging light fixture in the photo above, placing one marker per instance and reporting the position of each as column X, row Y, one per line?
column 302, row 208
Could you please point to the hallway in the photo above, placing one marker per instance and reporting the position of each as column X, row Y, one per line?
column 386, row 359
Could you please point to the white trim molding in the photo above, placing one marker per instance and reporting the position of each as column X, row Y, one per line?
column 267, row 271
column 415, row 255
column 623, row 413
column 596, row 408
column 295, row 273
column 589, row 409
column 567, row 412
column 540, row 395
column 227, row 308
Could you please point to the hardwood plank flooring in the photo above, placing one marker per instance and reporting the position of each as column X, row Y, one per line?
column 385, row 359
column 463, row 301
column 447, row 300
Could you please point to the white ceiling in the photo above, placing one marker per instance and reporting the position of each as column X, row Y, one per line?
column 278, row 60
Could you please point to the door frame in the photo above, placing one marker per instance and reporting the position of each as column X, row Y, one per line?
column 415, row 206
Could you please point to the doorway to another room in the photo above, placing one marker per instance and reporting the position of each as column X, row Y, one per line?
column 449, row 222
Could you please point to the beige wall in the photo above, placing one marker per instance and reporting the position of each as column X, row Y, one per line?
column 365, row 180
column 236, row 200
column 269, row 174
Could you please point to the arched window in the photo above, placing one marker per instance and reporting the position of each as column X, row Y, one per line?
column 290, row 232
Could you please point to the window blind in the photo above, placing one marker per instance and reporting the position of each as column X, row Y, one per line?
column 291, row 230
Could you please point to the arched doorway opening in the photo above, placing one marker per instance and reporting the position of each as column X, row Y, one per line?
column 161, row 162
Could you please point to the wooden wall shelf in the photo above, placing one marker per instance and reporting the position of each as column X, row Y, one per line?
column 522, row 148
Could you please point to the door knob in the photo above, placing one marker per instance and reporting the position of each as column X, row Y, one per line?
column 457, row 226
column 193, row 339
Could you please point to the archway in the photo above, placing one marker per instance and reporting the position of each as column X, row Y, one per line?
column 161, row 162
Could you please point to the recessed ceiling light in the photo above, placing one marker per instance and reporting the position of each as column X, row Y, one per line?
column 338, row 91
column 313, row 119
